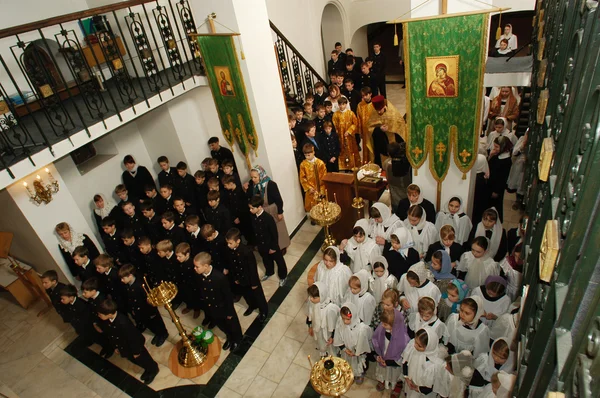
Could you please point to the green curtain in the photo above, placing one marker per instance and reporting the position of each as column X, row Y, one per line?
column 445, row 62
column 229, row 92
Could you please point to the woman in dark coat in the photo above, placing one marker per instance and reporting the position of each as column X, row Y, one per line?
column 480, row 197
column 500, row 163
column 261, row 184
column 136, row 178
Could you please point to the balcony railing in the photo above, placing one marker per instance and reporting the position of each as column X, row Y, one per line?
column 65, row 74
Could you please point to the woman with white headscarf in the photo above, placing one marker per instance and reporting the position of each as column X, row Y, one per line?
column 382, row 223
column 104, row 207
column 381, row 279
column 466, row 329
column 417, row 283
column 333, row 273
column 400, row 252
column 453, row 213
column 322, row 317
column 420, row 360
column 422, row 231
column 476, row 265
column 360, row 248
column 354, row 338
column 510, row 37
column 360, row 295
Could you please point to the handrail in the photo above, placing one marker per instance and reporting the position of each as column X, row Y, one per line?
column 44, row 23
column 291, row 46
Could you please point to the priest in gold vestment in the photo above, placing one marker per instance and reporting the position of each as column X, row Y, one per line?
column 363, row 113
column 312, row 171
column 346, row 124
column 388, row 117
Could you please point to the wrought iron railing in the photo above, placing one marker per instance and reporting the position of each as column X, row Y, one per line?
column 68, row 73
column 298, row 77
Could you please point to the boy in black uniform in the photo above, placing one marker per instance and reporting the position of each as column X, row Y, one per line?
column 195, row 239
column 166, row 194
column 90, row 290
column 131, row 253
column 127, row 340
column 213, row 170
column 236, row 201
column 242, row 269
column 215, row 245
column 170, row 267
column 228, row 170
column 80, row 315
column 216, row 214
column 124, row 196
column 152, row 264
column 182, row 211
column 167, row 174
column 265, row 232
column 158, row 202
column 171, row 231
column 52, row 285
column 187, row 276
column 132, row 219
column 84, row 263
column 112, row 240
column 152, row 223
column 109, row 280
column 218, row 299
column 200, row 190
column 218, row 152
column 184, row 184
column 144, row 314
column 331, row 144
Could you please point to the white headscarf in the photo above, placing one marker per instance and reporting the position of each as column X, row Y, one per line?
column 462, row 369
column 108, row 206
column 378, row 283
column 477, row 273
column 420, row 198
column 363, row 276
column 422, row 272
column 364, row 224
column 480, row 311
column 388, row 219
column 510, row 361
column 417, row 359
column 481, row 165
column 415, row 322
column 406, row 240
column 494, row 243
column 315, row 309
column 421, row 223
column 349, row 333
column 76, row 240
column 507, row 382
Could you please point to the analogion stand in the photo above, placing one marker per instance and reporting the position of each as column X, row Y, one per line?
column 212, row 356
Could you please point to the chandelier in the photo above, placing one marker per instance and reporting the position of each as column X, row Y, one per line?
column 42, row 193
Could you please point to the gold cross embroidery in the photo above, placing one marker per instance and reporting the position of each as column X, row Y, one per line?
column 440, row 149
column 464, row 155
column 417, row 152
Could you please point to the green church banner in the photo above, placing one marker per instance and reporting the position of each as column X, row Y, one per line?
column 229, row 92
column 445, row 61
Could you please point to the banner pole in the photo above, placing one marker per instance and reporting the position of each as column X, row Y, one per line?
column 439, row 195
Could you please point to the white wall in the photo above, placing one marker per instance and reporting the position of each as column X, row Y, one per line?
column 332, row 30
column 359, row 43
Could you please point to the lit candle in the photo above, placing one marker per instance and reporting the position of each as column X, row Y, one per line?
column 37, row 177
column 25, row 184
column 46, row 170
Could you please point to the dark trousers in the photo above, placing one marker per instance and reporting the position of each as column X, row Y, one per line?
column 269, row 261
column 381, row 85
column 155, row 323
column 332, row 167
column 255, row 298
column 145, row 361
column 231, row 327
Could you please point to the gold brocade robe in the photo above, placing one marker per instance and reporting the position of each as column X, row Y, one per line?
column 363, row 113
column 394, row 121
column 346, row 125
column 308, row 180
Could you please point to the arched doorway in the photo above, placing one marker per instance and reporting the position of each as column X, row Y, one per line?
column 332, row 30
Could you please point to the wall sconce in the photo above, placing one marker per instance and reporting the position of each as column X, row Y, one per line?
column 42, row 193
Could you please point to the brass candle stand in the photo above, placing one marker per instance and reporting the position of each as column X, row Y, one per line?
column 190, row 355
column 358, row 203
column 325, row 214
column 331, row 376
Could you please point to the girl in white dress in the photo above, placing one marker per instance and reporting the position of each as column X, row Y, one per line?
column 507, row 323
column 389, row 341
column 456, row 292
column 422, row 231
column 417, row 283
column 322, row 317
column 501, row 386
column 500, row 357
column 358, row 295
column 382, row 223
column 454, row 375
column 453, row 213
column 334, row 274
column 517, row 171
column 381, row 279
column 490, row 227
column 420, row 360
column 360, row 248
column 500, row 130
column 426, row 316
column 495, row 300
column 466, row 330
column 353, row 338
column 476, row 265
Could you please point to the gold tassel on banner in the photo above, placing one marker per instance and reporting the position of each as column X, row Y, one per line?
column 499, row 30
column 241, row 48
column 395, row 35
